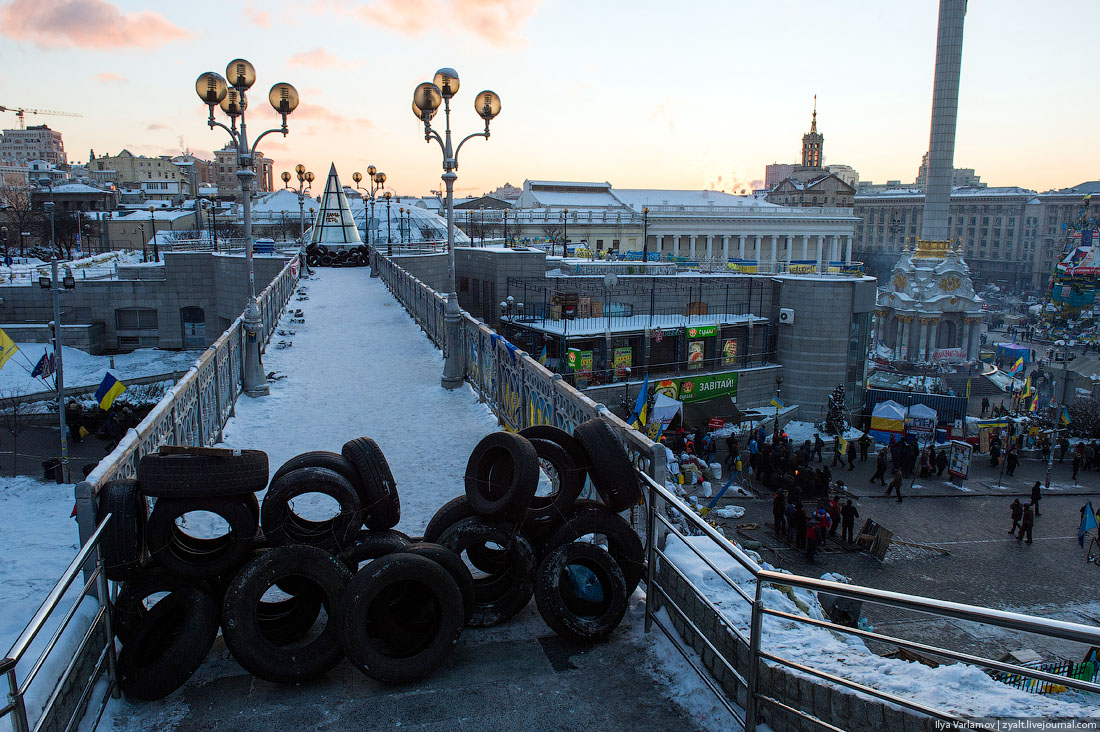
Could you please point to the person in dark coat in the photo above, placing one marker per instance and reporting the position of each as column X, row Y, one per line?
column 1076, row 466
column 1026, row 523
column 851, row 454
column 848, row 516
column 838, row 457
column 733, row 449
column 834, row 515
column 880, row 468
column 819, row 445
column 1011, row 461
column 811, row 542
column 800, row 526
column 779, row 510
column 700, row 435
column 994, row 455
column 1036, row 494
column 941, row 462
column 895, row 484
column 1017, row 509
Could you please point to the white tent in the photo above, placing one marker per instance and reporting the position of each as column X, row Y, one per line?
column 921, row 419
column 335, row 225
column 664, row 409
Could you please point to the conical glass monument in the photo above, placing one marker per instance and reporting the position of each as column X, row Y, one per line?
column 334, row 226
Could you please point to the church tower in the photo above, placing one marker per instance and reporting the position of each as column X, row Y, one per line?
column 812, row 143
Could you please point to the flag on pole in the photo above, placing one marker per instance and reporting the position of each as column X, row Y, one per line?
column 45, row 367
column 1027, row 386
column 1065, row 415
column 7, row 348
column 1034, row 404
column 1088, row 522
column 108, row 391
column 968, row 383
column 639, row 416
column 1018, row 367
column 778, row 403
column 542, row 356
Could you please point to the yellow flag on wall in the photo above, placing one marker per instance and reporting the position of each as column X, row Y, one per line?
column 7, row 348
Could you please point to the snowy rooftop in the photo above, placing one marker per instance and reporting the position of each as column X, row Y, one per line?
column 638, row 198
column 619, row 324
column 956, row 191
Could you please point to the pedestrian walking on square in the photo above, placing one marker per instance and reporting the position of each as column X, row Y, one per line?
column 941, row 462
column 994, row 455
column 800, row 524
column 895, row 484
column 1012, row 461
column 985, row 405
column 1026, row 523
column 851, row 454
column 864, row 447
column 779, row 510
column 732, row 450
column 1036, row 494
column 834, row 515
column 819, row 445
column 880, row 468
column 848, row 516
column 1076, row 467
column 811, row 542
column 838, row 455
column 1063, row 447
column 1017, row 509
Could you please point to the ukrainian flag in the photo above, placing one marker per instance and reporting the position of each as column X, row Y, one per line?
column 777, row 402
column 542, row 356
column 108, row 391
column 641, row 406
column 7, row 348
column 1065, row 416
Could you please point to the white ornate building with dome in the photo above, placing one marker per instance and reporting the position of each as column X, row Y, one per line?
column 928, row 310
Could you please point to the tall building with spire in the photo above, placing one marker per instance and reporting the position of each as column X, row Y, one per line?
column 812, row 144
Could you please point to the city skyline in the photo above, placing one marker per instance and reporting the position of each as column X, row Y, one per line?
column 588, row 93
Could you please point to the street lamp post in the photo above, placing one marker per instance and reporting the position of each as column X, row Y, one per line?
column 565, row 234
column 426, row 100
column 57, row 285
column 4, row 233
column 645, row 236
column 401, row 223
column 230, row 96
column 144, row 250
column 153, row 227
column 389, row 239
column 376, row 182
column 305, row 183
column 49, row 206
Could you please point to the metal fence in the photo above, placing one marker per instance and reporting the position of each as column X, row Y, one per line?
column 192, row 412
column 522, row 392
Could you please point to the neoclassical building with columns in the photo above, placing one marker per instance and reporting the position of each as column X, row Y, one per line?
column 696, row 224
column 928, row 310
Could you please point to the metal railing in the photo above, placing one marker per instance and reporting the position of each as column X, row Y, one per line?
column 192, row 412
column 668, row 515
column 521, row 392
column 95, row 645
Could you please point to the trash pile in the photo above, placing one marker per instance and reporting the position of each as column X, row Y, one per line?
column 294, row 593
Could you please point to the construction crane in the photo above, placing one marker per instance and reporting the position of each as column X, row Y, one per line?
column 20, row 111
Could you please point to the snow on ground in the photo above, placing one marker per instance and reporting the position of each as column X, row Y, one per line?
column 84, row 369
column 964, row 689
column 360, row 366
column 799, row 431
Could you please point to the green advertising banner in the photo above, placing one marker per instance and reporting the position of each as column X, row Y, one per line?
column 701, row 331
column 707, row 386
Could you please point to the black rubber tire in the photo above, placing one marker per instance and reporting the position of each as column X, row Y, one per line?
column 453, row 511
column 400, row 618
column 313, row 260
column 202, row 476
column 449, row 514
column 243, row 631
column 502, row 595
column 370, row 545
column 282, row 526
column 285, row 621
column 623, row 544
column 179, row 553
column 573, row 617
column 168, row 645
column 609, row 465
column 123, row 540
column 381, row 502
column 455, row 567
column 322, row 459
column 129, row 606
column 557, row 506
column 502, row 475
column 563, row 439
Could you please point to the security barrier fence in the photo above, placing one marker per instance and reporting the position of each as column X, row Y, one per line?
column 192, row 412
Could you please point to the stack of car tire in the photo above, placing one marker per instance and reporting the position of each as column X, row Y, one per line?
column 319, row 255
column 294, row 595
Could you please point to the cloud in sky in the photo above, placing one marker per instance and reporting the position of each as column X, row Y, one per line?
column 319, row 58
column 495, row 21
column 260, row 17
column 85, row 24
column 109, row 77
column 156, row 126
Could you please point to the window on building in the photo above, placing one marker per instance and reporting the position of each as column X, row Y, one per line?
column 136, row 319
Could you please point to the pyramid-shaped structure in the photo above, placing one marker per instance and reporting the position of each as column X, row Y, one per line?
column 334, row 225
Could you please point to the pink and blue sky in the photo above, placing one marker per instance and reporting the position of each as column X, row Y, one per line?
column 643, row 94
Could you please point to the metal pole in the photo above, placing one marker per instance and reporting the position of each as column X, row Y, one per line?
column 751, row 706
column 59, row 374
column 254, row 382
column 389, row 235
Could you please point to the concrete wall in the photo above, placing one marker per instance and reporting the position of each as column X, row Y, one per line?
column 431, row 269
column 835, row 705
column 88, row 338
column 217, row 283
column 489, row 269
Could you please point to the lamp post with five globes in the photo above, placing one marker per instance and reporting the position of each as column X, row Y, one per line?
column 376, row 183
column 426, row 100
column 230, row 95
column 305, row 183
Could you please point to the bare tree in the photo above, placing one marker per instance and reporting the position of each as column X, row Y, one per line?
column 17, row 212
column 15, row 419
column 554, row 232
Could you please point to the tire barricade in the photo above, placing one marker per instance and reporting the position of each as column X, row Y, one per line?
column 293, row 592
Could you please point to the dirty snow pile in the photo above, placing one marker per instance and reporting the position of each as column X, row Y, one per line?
column 964, row 689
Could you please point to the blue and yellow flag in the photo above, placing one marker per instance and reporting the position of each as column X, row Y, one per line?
column 1088, row 522
column 1018, row 366
column 108, row 390
column 777, row 402
column 7, row 348
column 641, row 407
column 1065, row 415
column 542, row 356
column 1027, row 387
column 967, row 384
